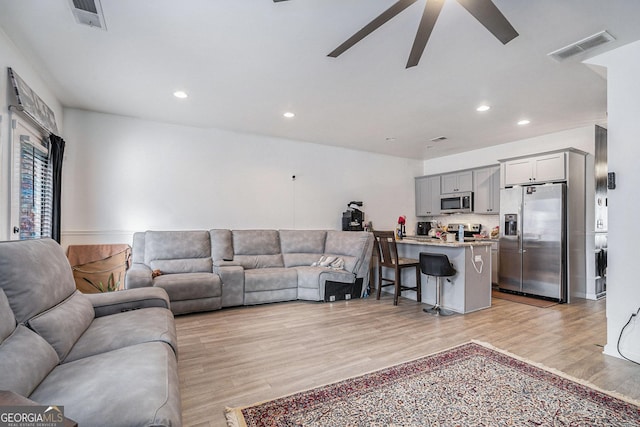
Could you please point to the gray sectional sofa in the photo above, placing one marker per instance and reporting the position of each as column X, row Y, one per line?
column 109, row 359
column 206, row 270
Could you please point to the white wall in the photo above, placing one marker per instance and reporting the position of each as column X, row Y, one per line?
column 123, row 175
column 581, row 138
column 623, row 289
column 10, row 56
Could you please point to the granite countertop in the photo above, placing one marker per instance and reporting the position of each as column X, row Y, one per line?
column 423, row 240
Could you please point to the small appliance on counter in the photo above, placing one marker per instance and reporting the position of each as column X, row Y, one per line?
column 353, row 218
column 423, row 228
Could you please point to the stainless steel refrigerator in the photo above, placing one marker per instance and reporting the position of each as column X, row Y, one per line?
column 533, row 241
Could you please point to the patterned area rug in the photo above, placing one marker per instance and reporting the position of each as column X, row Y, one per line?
column 470, row 385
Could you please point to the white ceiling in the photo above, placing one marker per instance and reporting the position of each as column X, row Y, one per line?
column 245, row 62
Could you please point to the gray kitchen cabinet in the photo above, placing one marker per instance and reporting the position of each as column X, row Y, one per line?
column 456, row 182
column 529, row 170
column 427, row 195
column 486, row 190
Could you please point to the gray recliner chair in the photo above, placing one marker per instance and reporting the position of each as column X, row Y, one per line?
column 107, row 358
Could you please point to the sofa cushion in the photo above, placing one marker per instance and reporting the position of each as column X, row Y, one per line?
column 256, row 242
column 139, row 384
column 257, row 248
column 259, row 261
column 62, row 325
column 270, row 279
column 189, row 285
column 184, row 265
column 351, row 246
column 302, row 241
column 35, row 276
column 196, row 305
column 125, row 329
column 7, row 319
column 176, row 245
column 25, row 360
column 300, row 259
column 302, row 247
column 221, row 244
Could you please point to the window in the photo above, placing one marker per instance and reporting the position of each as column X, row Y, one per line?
column 31, row 190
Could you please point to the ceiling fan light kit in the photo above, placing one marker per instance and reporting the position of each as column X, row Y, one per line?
column 483, row 10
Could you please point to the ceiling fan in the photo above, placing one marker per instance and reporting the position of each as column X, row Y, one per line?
column 483, row 10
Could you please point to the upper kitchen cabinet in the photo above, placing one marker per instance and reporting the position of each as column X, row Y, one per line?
column 456, row 182
column 536, row 169
column 486, row 190
column 427, row 195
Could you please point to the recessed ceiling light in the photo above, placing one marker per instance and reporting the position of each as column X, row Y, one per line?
column 289, row 115
column 524, row 122
column 180, row 94
column 483, row 108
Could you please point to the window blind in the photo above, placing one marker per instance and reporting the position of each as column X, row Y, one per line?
column 35, row 192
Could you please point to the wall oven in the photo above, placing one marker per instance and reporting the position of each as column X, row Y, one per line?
column 456, row 203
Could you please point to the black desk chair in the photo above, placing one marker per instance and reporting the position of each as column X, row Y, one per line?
column 436, row 265
column 388, row 257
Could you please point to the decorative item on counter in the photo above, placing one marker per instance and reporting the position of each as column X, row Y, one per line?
column 368, row 226
column 461, row 233
column 495, row 232
column 400, row 230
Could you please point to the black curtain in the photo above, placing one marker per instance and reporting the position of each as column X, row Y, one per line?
column 56, row 153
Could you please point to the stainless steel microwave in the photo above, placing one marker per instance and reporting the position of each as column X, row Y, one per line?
column 456, row 203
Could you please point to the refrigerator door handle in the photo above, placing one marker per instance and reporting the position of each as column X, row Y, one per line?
column 519, row 218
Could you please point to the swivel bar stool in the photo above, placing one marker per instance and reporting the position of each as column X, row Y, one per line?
column 436, row 265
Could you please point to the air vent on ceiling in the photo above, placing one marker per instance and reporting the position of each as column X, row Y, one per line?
column 438, row 138
column 88, row 12
column 581, row 46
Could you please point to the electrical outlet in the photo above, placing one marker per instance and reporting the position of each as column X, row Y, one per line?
column 332, row 298
column 347, row 296
column 477, row 258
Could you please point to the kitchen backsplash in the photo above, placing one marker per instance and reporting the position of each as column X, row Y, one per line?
column 487, row 221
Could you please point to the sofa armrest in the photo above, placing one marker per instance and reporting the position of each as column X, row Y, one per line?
column 138, row 276
column 108, row 303
column 232, row 277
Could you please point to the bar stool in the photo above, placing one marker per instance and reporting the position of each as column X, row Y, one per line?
column 436, row 265
column 388, row 257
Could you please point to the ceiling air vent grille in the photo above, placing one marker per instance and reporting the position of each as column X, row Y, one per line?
column 581, row 46
column 88, row 12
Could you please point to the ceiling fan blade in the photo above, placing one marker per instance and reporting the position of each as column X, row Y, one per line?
column 429, row 17
column 490, row 16
column 381, row 19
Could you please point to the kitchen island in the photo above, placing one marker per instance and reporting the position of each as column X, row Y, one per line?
column 469, row 289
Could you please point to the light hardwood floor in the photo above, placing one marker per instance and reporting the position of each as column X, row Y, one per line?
column 239, row 356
